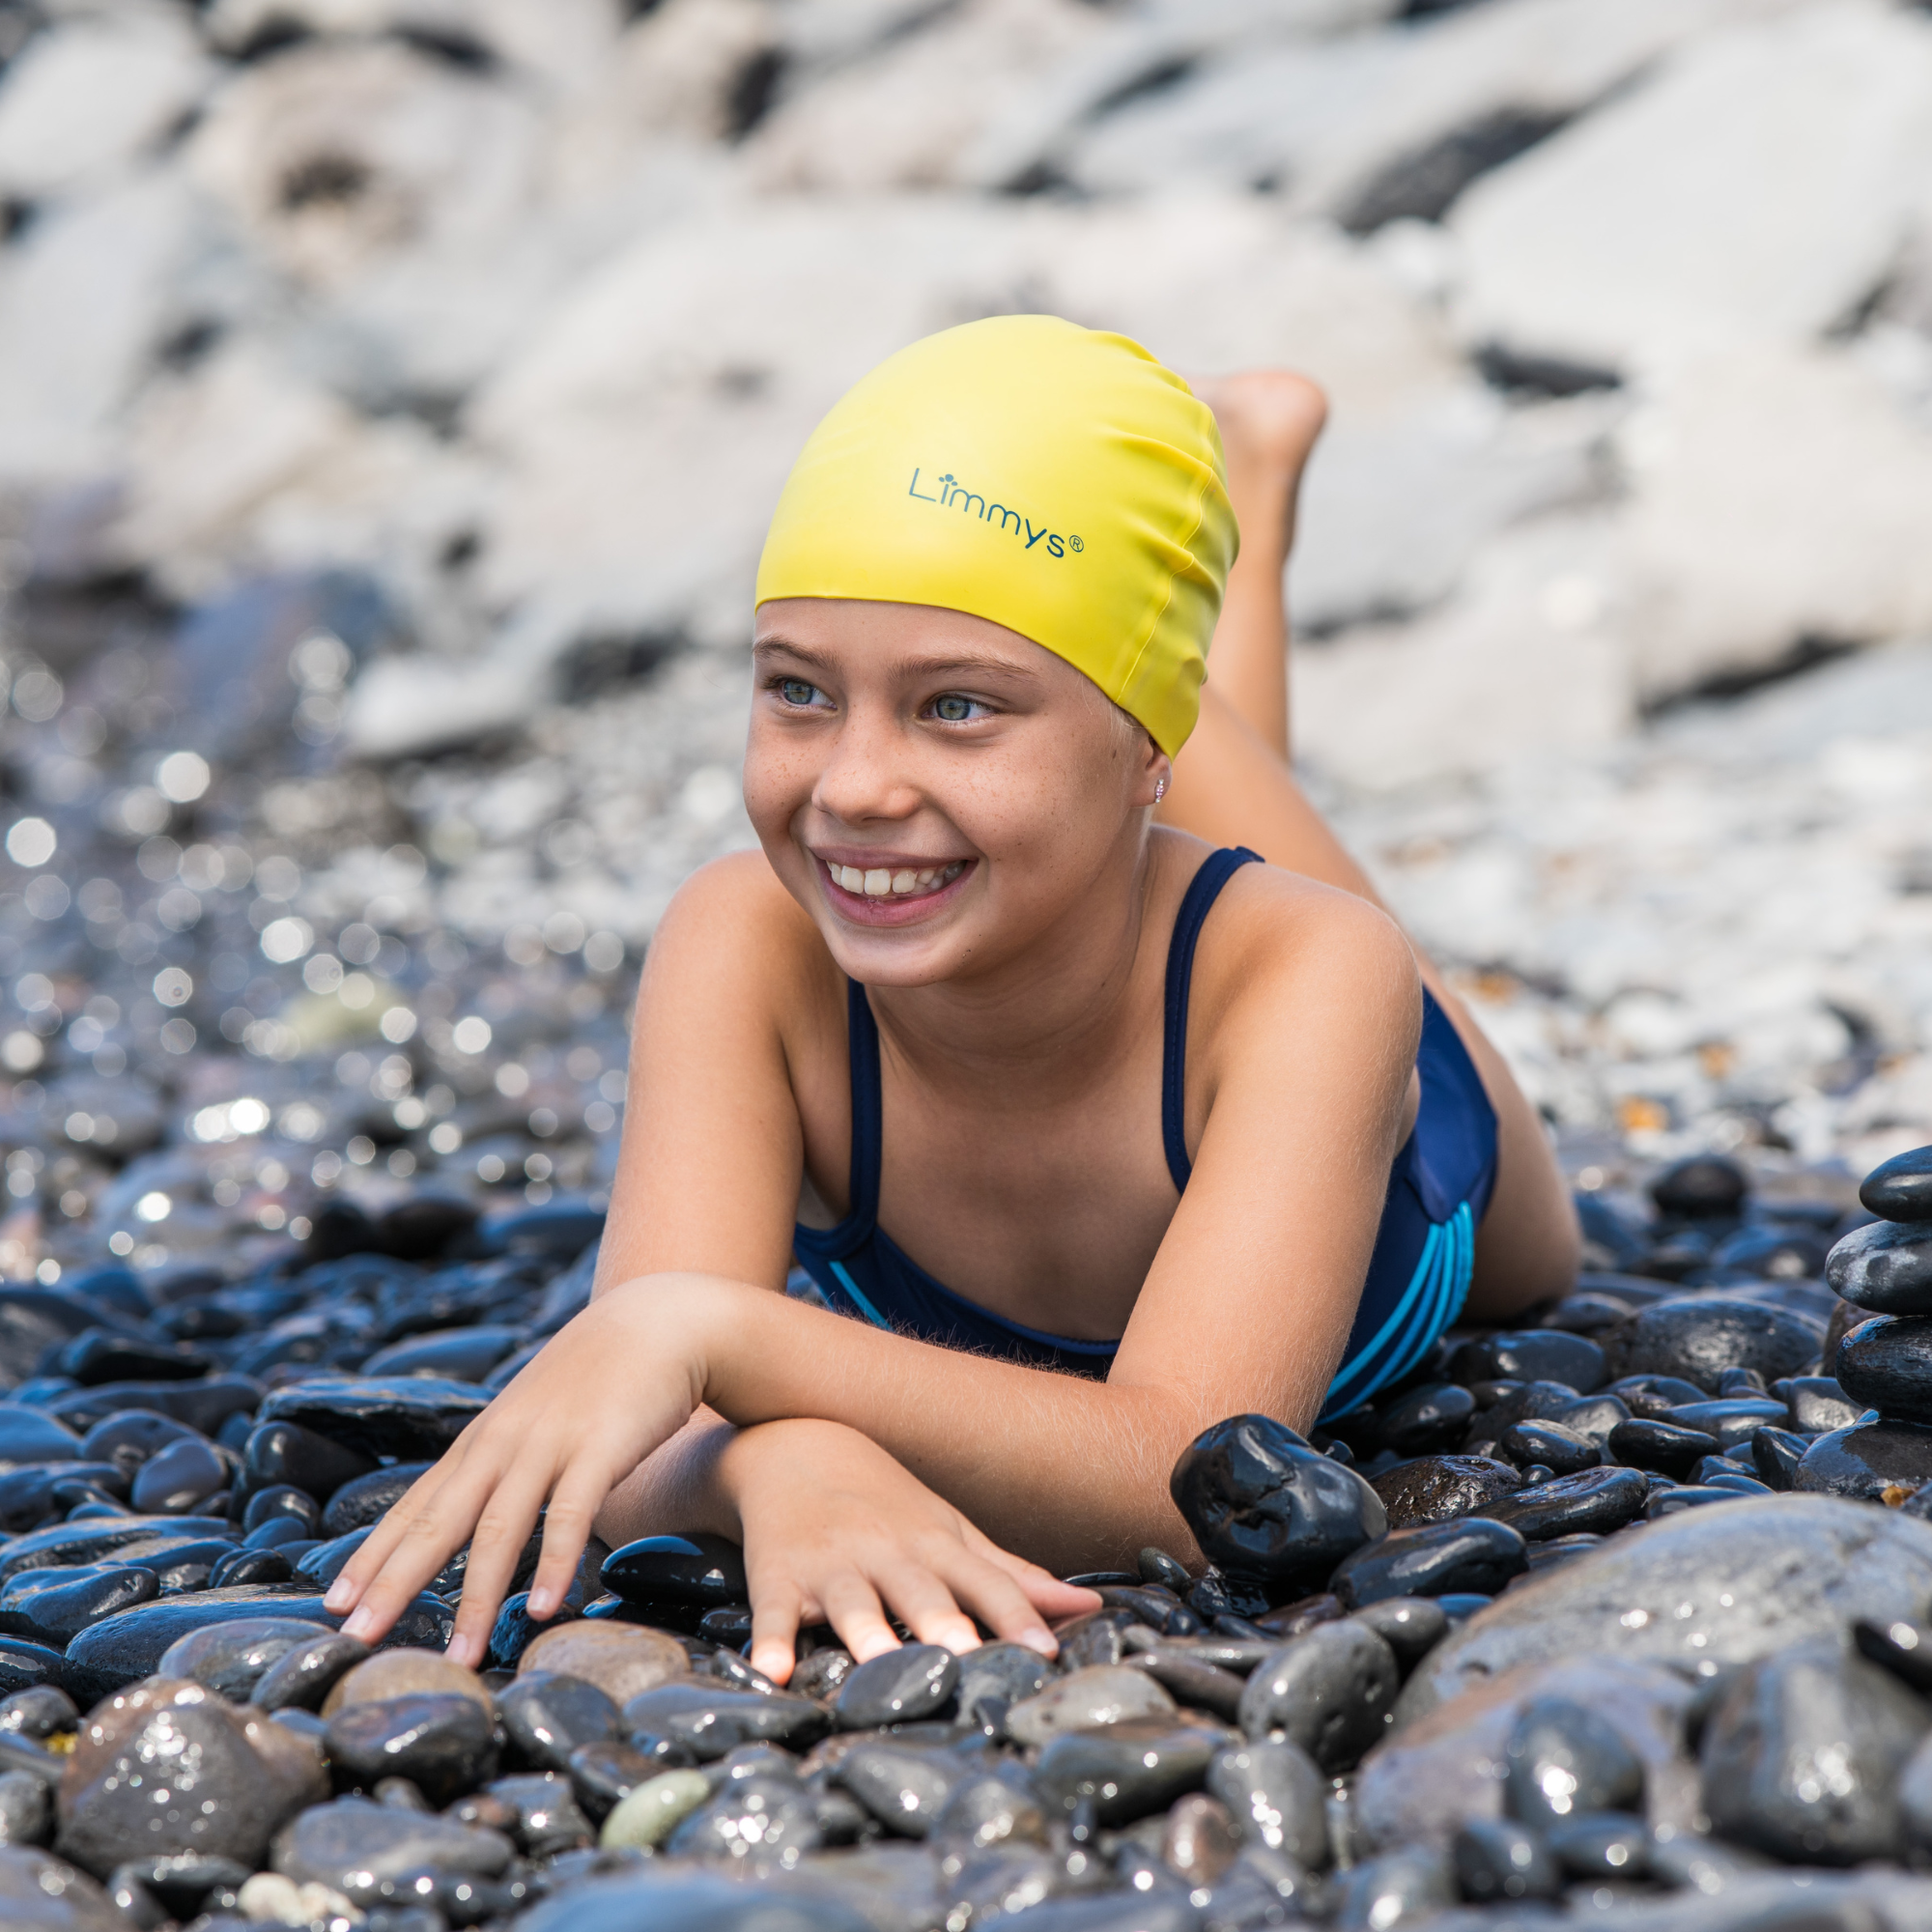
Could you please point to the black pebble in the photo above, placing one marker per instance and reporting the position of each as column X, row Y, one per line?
column 363, row 1500
column 281, row 1502
column 1598, row 1500
column 1900, row 1189
column 1868, row 1459
column 1667, row 1447
column 284, row 1455
column 177, row 1479
column 1775, row 1454
column 698, row 1571
column 1156, row 1566
column 1599, row 1845
column 1411, row 1626
column 1428, row 1419
column 1562, row 1760
column 303, row 1675
column 1560, row 1450
column 1886, row 1364
column 899, row 1687
column 547, row 1715
column 444, row 1745
column 1705, row 1186
column 1498, row 1859
column 1471, row 1554
column 1329, row 1692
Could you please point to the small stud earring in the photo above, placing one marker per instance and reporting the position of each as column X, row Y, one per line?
column 1159, row 790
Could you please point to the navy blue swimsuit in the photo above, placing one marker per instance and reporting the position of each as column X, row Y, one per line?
column 1418, row 1275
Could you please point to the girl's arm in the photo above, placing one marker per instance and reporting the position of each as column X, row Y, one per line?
column 1306, row 1017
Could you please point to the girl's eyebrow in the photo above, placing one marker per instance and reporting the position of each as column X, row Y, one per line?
column 955, row 666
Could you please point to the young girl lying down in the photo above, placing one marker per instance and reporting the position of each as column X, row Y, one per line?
column 1052, row 1032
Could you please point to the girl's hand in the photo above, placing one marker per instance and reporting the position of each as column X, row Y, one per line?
column 838, row 1532
column 612, row 1386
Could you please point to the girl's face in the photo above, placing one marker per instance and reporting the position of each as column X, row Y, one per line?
column 936, row 790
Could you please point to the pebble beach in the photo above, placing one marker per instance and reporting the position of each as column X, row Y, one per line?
column 393, row 395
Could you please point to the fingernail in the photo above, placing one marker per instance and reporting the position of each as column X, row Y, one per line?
column 341, row 1594
column 1042, row 1639
column 359, row 1625
column 542, row 1605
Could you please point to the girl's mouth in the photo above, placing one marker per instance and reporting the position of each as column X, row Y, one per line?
column 883, row 895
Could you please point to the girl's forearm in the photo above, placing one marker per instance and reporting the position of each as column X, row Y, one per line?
column 1070, row 1473
column 677, row 1489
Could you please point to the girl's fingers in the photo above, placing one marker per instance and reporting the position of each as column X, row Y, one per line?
column 1042, row 1589
column 997, row 1600
column 777, row 1612
column 852, row 1608
column 924, row 1603
column 418, row 1499
column 566, row 1531
column 502, row 1534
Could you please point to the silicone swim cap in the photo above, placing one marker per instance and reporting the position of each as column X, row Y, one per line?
column 1053, row 479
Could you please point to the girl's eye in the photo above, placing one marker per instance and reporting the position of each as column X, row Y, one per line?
column 795, row 691
column 952, row 709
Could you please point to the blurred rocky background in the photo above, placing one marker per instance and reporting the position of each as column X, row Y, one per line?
column 393, row 394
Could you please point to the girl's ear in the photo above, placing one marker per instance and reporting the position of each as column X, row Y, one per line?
column 1156, row 778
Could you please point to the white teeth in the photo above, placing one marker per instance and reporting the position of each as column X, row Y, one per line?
column 882, row 883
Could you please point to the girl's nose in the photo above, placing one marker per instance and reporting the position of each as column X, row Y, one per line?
column 862, row 777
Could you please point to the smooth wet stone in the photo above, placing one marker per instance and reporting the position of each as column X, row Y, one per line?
column 120, row 1649
column 181, row 1777
column 1100, row 1637
column 1498, row 1860
column 1670, row 1448
column 32, row 1436
column 43, row 1894
column 250, row 1566
column 1881, row 1460
column 1103, row 1693
column 1732, row 1419
column 905, row 1790
column 320, row 1565
column 1277, row 1797
column 1775, row 1454
column 1128, row 1770
column 132, row 1437
column 362, row 1501
column 184, row 1884
column 1819, row 1404
column 231, row 1658
column 69, row 1545
column 1200, row 1841
column 55, row 1613
column 1763, row 1574
column 1560, row 1450
column 26, row 1665
column 407, row 1672
column 26, row 1809
column 1698, row 1337
column 1900, row 1189
column 1001, row 1673
column 1885, row 1267
column 1198, row 1684
column 1595, row 1845
column 548, row 1716
column 1886, row 1364
column 646, row 1816
column 37, row 1713
column 603, row 1774
column 411, row 1418
column 1428, row 1419
column 443, row 1743
column 985, row 1809
column 1330, row 1691
column 1472, row 1553
column 699, row 1710
column 1533, row 1355
column 1595, row 1499
column 306, row 1673
column 1561, row 1759
column 280, row 1503
column 1785, row 1719
column 621, row 1660
column 1411, row 1626
column 1433, row 1488
column 1397, row 1889
column 454, row 1355
column 353, row 1846
column 762, row 1818
column 203, row 1405
column 697, row 1570
column 1439, row 1772
column 1701, row 1187
column 1262, row 1503
column 284, row 1455
column 688, row 1901
column 899, row 1687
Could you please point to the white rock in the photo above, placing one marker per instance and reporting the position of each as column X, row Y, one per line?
column 907, row 115
column 404, row 705
column 1525, row 660
column 1756, row 188
column 86, row 297
column 88, row 96
column 1323, row 121
column 337, row 155
column 1781, row 496
column 1393, row 509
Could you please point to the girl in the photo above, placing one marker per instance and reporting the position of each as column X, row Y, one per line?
column 1090, row 1129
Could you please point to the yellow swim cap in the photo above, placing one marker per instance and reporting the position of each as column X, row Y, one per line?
column 1053, row 479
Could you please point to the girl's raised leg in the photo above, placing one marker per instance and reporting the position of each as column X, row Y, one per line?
column 1233, row 785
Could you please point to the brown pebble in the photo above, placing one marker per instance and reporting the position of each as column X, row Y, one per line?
column 405, row 1673
column 621, row 1658
column 1201, row 1841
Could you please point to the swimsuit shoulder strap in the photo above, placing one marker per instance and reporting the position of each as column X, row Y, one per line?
column 1216, row 869
column 867, row 1111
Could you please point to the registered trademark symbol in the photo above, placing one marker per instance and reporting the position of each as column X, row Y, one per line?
column 1076, row 543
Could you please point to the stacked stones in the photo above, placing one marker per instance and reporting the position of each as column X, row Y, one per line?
column 1882, row 1355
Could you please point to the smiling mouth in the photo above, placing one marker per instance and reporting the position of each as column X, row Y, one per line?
column 881, row 882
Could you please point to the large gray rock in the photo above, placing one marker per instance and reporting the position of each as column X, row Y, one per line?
column 39, row 1893
column 1718, row 1586
column 1446, row 1768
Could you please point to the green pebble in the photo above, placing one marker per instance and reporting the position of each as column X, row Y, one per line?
column 648, row 1815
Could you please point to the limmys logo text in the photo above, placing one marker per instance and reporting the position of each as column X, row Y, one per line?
column 954, row 495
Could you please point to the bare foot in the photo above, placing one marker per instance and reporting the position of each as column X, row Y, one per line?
column 1269, row 420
